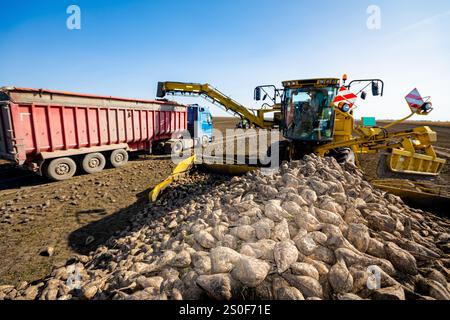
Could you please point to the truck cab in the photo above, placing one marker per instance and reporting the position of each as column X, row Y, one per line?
column 199, row 127
column 200, row 124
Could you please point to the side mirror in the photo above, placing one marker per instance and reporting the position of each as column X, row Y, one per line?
column 363, row 95
column 160, row 92
column 375, row 89
column 258, row 94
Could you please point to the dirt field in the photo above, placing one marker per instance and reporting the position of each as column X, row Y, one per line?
column 76, row 216
column 73, row 217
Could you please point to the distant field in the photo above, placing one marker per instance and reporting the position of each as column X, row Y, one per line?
column 442, row 128
column 444, row 124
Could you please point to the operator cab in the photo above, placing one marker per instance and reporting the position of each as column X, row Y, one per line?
column 307, row 109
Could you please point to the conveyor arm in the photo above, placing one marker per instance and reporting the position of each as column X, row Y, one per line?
column 213, row 95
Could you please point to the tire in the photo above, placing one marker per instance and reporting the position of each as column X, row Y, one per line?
column 350, row 157
column 60, row 169
column 283, row 151
column 383, row 170
column 93, row 163
column 177, row 148
column 344, row 155
column 118, row 158
column 205, row 141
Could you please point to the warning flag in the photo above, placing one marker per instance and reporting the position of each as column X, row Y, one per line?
column 414, row 99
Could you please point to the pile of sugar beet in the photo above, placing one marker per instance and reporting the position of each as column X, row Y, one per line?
column 312, row 230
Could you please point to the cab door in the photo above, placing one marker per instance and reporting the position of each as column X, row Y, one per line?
column 206, row 123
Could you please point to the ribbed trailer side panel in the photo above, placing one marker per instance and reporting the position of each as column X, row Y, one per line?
column 48, row 128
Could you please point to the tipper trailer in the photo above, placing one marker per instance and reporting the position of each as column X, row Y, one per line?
column 53, row 133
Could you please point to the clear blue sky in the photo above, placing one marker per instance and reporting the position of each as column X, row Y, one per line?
column 125, row 47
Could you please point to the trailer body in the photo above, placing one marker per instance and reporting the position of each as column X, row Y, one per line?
column 39, row 125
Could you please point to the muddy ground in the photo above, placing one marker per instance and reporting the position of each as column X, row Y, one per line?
column 76, row 216
column 72, row 216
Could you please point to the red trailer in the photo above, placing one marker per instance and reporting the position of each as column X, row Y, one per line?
column 53, row 133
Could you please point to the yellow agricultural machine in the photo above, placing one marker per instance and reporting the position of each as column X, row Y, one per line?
column 317, row 116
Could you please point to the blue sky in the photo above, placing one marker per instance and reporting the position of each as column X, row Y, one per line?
column 125, row 47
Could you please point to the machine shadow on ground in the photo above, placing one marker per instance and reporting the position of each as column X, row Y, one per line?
column 100, row 231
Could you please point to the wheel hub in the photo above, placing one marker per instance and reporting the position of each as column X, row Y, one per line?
column 94, row 163
column 62, row 169
column 177, row 148
column 119, row 157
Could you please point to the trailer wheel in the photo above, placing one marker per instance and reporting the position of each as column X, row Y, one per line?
column 118, row 158
column 205, row 141
column 177, row 148
column 93, row 162
column 61, row 169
